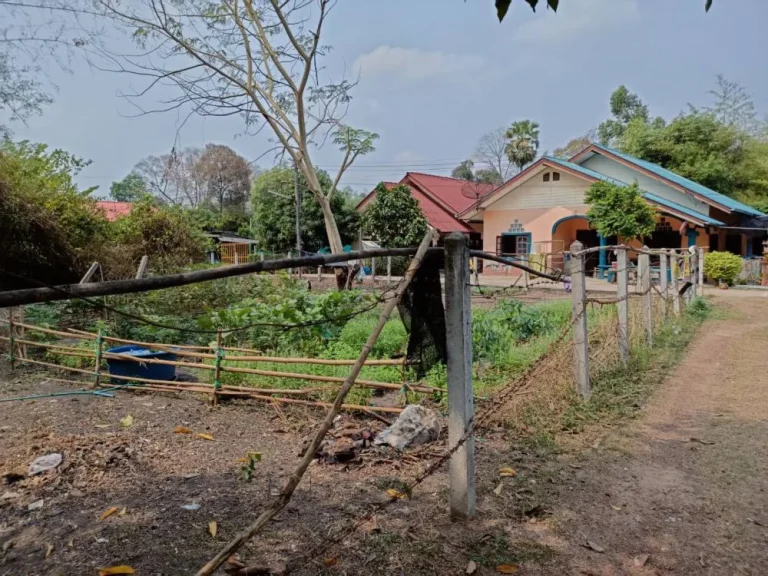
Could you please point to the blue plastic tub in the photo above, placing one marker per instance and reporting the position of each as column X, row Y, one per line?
column 138, row 370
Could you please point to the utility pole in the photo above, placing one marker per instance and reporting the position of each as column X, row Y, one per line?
column 298, row 209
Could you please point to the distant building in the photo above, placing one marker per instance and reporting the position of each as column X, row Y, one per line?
column 114, row 210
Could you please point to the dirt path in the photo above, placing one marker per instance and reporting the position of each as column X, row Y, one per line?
column 686, row 484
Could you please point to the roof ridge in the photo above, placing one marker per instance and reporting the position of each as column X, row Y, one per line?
column 446, row 177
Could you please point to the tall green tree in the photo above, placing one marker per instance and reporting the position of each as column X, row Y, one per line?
column 130, row 189
column 274, row 213
column 464, row 171
column 394, row 218
column 626, row 107
column 522, row 142
column 619, row 211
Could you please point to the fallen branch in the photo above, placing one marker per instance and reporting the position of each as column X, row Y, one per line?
column 285, row 496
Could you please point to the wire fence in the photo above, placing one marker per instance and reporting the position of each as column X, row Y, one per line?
column 592, row 342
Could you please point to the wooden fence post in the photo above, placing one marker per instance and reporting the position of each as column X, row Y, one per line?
column 580, row 338
column 99, row 345
column 142, row 267
column 675, row 265
column 11, row 335
column 701, row 271
column 373, row 270
column 217, row 368
column 458, row 323
column 389, row 269
column 644, row 264
column 663, row 279
column 622, row 286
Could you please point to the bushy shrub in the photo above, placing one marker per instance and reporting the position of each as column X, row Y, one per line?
column 49, row 230
column 722, row 266
column 392, row 340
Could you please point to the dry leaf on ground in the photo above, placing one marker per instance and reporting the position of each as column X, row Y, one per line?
column 507, row 472
column 127, row 421
column 471, row 567
column 48, row 550
column 617, row 508
column 330, row 561
column 392, row 493
column 182, row 430
column 507, row 568
column 123, row 512
column 204, row 436
column 108, row 512
column 112, row 570
column 593, row 546
column 213, row 528
column 498, row 488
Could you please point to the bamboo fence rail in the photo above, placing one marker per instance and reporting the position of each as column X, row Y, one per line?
column 217, row 366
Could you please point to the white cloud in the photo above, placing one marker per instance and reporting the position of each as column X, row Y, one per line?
column 414, row 64
column 578, row 19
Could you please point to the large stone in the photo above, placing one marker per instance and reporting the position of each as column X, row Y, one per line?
column 416, row 425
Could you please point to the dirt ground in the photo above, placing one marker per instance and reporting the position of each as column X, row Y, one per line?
column 679, row 490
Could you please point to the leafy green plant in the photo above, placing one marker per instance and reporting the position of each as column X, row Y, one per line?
column 722, row 266
column 248, row 465
column 616, row 210
column 394, row 217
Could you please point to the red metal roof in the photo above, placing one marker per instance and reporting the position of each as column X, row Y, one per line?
column 457, row 195
column 438, row 218
column 114, row 210
column 439, row 197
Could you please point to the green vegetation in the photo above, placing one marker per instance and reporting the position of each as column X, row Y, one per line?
column 621, row 211
column 274, row 212
column 722, row 267
column 394, row 218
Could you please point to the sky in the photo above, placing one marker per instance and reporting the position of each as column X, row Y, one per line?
column 434, row 75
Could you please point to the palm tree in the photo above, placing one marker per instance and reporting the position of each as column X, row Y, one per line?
column 523, row 142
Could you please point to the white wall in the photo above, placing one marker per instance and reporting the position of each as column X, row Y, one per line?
column 611, row 168
column 535, row 193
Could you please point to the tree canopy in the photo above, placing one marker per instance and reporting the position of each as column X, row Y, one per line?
column 522, row 142
column 502, row 6
column 394, row 218
column 130, row 189
column 274, row 213
column 619, row 211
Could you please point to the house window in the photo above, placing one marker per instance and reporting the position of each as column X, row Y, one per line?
column 546, row 177
column 555, row 176
column 513, row 244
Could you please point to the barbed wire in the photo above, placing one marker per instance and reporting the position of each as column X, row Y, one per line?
column 141, row 319
column 481, row 419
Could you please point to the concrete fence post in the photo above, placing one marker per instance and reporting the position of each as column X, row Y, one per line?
column 580, row 339
column 261, row 256
column 237, row 258
column 644, row 264
column 389, row 269
column 694, row 275
column 290, row 270
column 458, row 323
column 675, row 265
column 319, row 273
column 622, row 286
column 701, row 271
column 663, row 280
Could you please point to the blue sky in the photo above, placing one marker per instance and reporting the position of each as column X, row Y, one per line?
column 436, row 74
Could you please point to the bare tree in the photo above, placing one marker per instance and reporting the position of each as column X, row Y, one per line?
column 259, row 59
column 225, row 176
column 491, row 151
column 575, row 145
column 733, row 105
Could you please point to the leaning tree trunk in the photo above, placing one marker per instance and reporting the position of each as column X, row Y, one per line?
column 334, row 238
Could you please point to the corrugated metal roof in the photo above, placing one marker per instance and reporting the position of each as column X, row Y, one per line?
column 114, row 210
column 684, row 182
column 436, row 215
column 663, row 202
column 458, row 195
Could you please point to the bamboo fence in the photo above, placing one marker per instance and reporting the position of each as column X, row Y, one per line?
column 218, row 360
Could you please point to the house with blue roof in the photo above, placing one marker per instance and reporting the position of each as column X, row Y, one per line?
column 542, row 210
